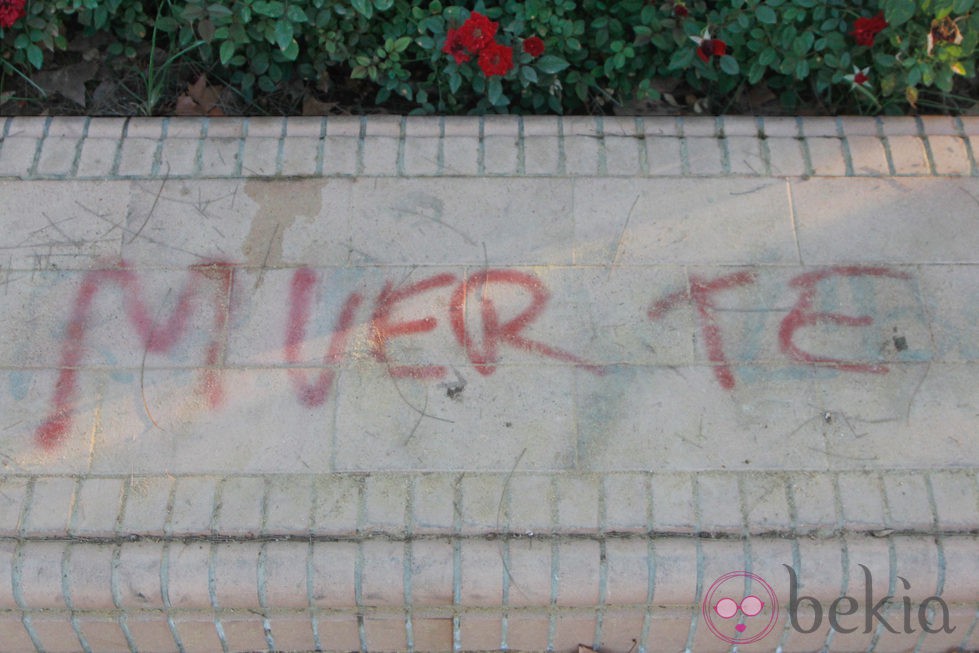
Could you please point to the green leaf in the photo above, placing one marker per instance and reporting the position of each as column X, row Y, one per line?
column 35, row 56
column 962, row 6
column 766, row 14
column 227, row 51
column 296, row 14
column 681, row 58
column 283, row 34
column 218, row 11
column 425, row 42
column 528, row 74
column 551, row 64
column 767, row 56
column 363, row 7
column 384, row 5
column 402, row 44
column 730, row 65
column 494, row 90
column 291, row 51
column 455, row 81
column 898, row 12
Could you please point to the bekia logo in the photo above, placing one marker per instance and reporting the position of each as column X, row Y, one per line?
column 742, row 608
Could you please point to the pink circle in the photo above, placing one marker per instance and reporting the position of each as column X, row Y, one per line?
column 751, row 606
column 726, row 608
column 751, row 603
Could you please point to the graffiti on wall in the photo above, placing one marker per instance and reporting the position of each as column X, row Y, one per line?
column 479, row 326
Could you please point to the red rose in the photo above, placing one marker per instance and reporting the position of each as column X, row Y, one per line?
column 680, row 10
column 453, row 45
column 865, row 29
column 496, row 59
column 711, row 48
column 477, row 32
column 533, row 46
column 11, row 11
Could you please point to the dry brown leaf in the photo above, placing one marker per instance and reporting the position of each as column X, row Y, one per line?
column 314, row 107
column 201, row 99
column 68, row 81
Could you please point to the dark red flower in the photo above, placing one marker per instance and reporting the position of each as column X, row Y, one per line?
column 453, row 45
column 680, row 10
column 496, row 59
column 477, row 32
column 865, row 29
column 533, row 46
column 711, row 48
column 11, row 11
column 860, row 79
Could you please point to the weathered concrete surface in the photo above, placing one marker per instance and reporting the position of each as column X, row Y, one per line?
column 505, row 373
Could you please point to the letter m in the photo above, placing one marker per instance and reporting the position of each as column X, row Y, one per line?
column 156, row 335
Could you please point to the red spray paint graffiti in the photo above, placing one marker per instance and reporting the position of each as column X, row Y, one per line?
column 700, row 294
column 155, row 338
column 801, row 315
column 509, row 332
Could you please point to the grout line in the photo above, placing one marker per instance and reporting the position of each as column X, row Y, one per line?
column 929, row 155
column 117, row 158
column 280, row 148
column 32, row 170
column 320, row 151
column 642, row 145
column 310, row 568
column 602, row 563
column 555, row 569
column 66, row 596
column 804, row 148
column 602, row 148
column 507, row 500
column 359, row 564
column 165, row 567
column 845, row 147
column 886, row 144
column 457, row 564
column 796, row 554
column 211, row 577
column 6, row 132
column 117, row 597
column 262, row 577
column 158, row 150
column 745, row 537
column 73, row 171
column 844, row 551
column 408, row 561
column 481, row 148
column 359, row 169
column 440, row 156
column 764, row 149
column 239, row 164
column 960, row 126
column 940, row 546
column 891, row 559
column 562, row 163
column 521, row 148
column 17, row 582
column 402, row 135
column 684, row 153
column 650, row 565
column 723, row 144
column 695, row 611
column 199, row 152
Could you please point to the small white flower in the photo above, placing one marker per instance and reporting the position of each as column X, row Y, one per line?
column 859, row 76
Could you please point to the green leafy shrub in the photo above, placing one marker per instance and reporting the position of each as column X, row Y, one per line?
column 869, row 56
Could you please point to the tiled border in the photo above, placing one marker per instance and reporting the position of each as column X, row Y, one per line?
column 406, row 506
column 384, row 146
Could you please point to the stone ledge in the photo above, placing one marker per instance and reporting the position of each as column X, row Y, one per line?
column 390, row 146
